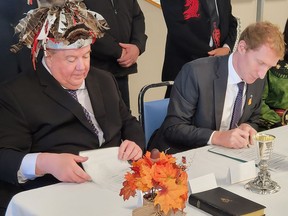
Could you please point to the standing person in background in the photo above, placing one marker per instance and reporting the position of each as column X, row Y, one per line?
column 275, row 95
column 195, row 29
column 11, row 64
column 123, row 42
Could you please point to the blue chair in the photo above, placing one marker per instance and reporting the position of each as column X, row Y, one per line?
column 152, row 113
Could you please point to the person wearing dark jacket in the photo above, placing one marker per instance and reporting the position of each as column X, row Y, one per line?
column 12, row 64
column 49, row 115
column 217, row 100
column 123, row 42
column 195, row 29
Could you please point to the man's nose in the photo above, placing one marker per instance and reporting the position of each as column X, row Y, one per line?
column 80, row 64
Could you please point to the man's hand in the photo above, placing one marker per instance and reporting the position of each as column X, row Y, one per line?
column 236, row 138
column 129, row 151
column 129, row 55
column 64, row 167
column 252, row 132
column 219, row 51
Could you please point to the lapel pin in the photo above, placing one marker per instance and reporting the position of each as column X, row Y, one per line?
column 250, row 100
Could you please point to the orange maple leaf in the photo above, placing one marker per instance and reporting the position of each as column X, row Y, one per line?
column 170, row 196
column 129, row 188
column 165, row 171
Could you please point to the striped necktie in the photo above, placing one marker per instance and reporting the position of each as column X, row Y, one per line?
column 87, row 115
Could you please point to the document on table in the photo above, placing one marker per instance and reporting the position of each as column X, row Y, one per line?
column 104, row 167
column 277, row 162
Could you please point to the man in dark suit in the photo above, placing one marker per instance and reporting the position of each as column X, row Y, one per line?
column 203, row 104
column 49, row 115
column 125, row 40
column 195, row 29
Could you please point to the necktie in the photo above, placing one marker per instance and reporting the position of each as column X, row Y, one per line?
column 74, row 95
column 237, row 106
column 214, row 22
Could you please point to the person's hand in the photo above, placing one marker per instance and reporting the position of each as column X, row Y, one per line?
column 129, row 151
column 123, row 53
column 64, row 167
column 219, row 51
column 235, row 138
column 252, row 132
column 130, row 55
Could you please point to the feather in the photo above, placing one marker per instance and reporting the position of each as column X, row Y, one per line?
column 50, row 3
column 63, row 21
column 28, row 27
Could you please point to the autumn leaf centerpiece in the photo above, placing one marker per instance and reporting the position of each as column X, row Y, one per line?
column 161, row 179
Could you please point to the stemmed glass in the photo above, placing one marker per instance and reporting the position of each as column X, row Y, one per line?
column 263, row 184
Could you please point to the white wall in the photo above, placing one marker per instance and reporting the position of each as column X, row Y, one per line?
column 150, row 62
column 275, row 11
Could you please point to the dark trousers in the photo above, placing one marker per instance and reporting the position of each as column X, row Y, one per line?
column 124, row 89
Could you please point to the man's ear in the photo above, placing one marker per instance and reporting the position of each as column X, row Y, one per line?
column 242, row 47
column 48, row 58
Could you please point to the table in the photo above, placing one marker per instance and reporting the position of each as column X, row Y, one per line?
column 90, row 199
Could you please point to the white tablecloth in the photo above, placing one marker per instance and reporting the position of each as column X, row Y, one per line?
column 90, row 199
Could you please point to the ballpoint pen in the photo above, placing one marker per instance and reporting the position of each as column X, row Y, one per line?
column 248, row 145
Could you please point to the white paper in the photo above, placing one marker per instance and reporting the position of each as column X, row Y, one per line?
column 202, row 183
column 243, row 171
column 277, row 162
column 244, row 154
column 104, row 167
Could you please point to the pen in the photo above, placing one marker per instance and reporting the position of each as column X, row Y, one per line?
column 167, row 150
column 248, row 145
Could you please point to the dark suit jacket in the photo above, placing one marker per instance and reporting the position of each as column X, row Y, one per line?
column 189, row 39
column 196, row 105
column 126, row 25
column 38, row 115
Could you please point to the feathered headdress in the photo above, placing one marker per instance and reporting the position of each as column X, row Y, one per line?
column 65, row 24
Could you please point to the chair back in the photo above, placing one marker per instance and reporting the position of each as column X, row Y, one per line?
column 152, row 113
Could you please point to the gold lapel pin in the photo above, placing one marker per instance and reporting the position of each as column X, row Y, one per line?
column 250, row 100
